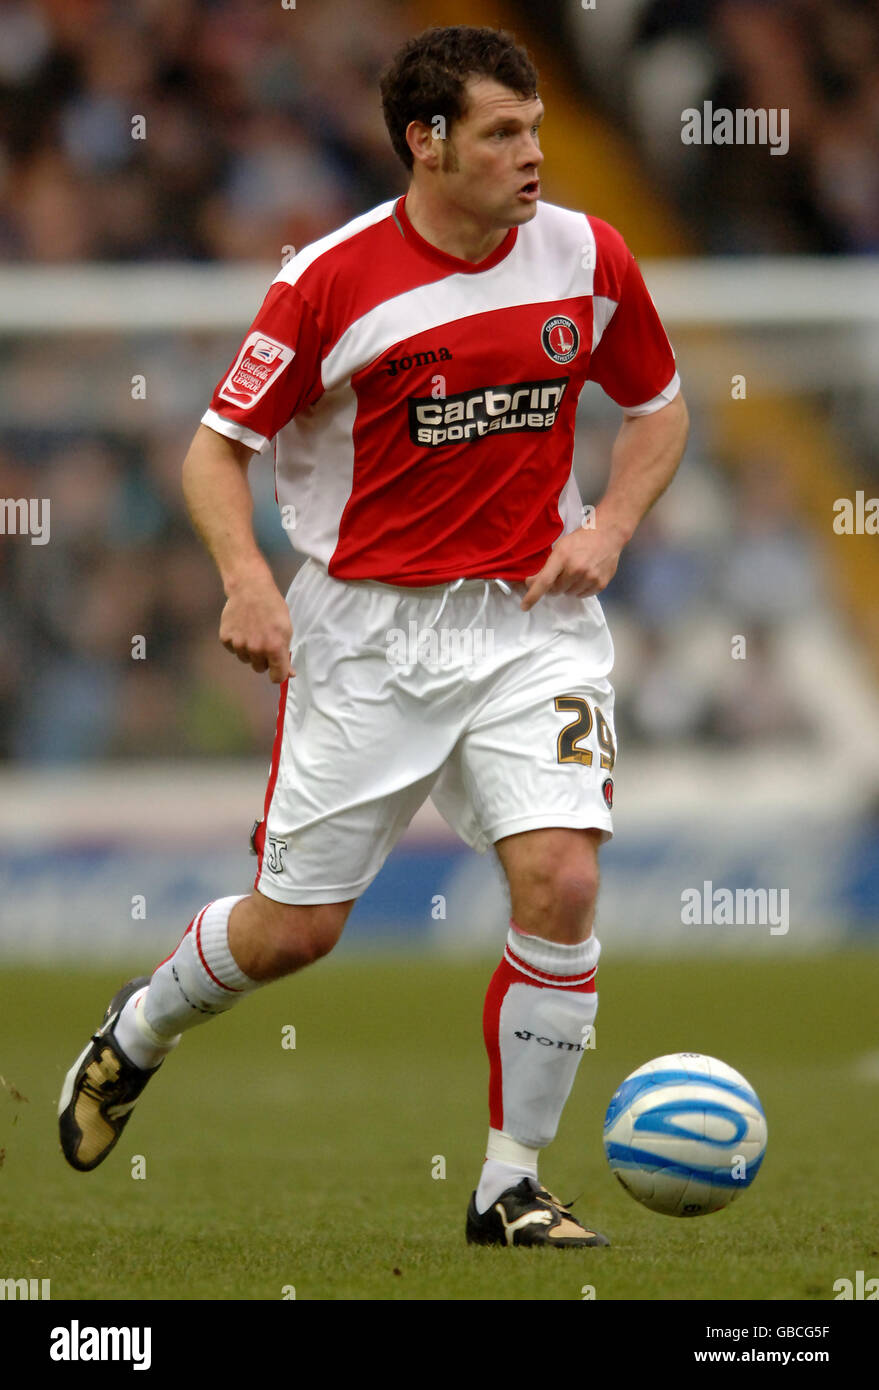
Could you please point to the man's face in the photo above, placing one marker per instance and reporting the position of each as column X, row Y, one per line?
column 490, row 163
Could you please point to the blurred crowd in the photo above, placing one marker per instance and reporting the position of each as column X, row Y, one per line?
column 188, row 129
column 708, row 590
column 217, row 129
column 646, row 61
column 108, row 634
column 263, row 129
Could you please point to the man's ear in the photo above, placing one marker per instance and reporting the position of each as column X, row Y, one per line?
column 426, row 141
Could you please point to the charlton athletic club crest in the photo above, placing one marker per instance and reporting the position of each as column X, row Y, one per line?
column 561, row 338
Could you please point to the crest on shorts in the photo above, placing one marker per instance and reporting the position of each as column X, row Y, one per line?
column 560, row 337
column 607, row 792
column 276, row 848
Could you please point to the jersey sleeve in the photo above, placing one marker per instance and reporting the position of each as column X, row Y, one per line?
column 633, row 360
column 276, row 372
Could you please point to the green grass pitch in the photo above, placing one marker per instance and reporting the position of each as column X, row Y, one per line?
column 270, row 1167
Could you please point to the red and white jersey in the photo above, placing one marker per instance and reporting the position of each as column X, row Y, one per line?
column 423, row 407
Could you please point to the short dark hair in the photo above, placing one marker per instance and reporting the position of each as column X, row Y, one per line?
column 427, row 77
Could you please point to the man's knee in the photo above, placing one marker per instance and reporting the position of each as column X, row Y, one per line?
column 554, row 883
column 308, row 931
column 564, row 891
column 311, row 931
column 574, row 888
column 283, row 937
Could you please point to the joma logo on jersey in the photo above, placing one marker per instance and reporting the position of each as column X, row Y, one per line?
column 417, row 359
column 520, row 406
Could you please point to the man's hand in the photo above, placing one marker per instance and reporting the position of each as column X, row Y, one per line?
column 645, row 456
column 582, row 563
column 255, row 625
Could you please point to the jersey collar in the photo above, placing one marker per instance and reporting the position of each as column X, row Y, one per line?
column 442, row 258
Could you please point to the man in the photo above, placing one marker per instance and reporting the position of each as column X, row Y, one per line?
column 418, row 371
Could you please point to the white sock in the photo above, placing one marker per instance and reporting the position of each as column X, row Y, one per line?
column 199, row 980
column 539, row 1012
column 507, row 1162
column 140, row 1043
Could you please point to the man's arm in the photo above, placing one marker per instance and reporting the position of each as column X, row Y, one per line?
column 255, row 623
column 645, row 457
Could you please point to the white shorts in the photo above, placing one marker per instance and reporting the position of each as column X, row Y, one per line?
column 504, row 718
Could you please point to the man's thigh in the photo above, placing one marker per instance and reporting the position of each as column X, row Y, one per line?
column 361, row 738
column 540, row 751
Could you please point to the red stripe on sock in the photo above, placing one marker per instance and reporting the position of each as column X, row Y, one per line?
column 505, row 975
column 259, row 835
column 500, row 982
column 230, row 988
column 585, row 980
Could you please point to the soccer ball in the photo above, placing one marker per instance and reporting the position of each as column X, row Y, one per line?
column 685, row 1134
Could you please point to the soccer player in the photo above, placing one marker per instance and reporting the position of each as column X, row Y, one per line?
column 417, row 372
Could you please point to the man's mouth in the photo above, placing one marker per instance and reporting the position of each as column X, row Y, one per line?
column 530, row 190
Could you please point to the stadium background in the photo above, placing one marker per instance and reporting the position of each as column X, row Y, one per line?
column 132, row 258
